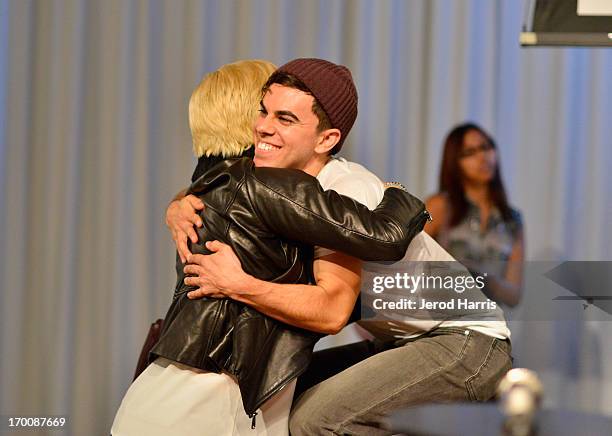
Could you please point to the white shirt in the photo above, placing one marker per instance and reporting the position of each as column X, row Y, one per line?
column 355, row 181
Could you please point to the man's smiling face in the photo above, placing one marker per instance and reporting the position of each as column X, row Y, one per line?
column 286, row 131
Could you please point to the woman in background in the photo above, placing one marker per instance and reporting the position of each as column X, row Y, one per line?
column 472, row 218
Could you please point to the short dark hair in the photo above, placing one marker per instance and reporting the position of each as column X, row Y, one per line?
column 289, row 80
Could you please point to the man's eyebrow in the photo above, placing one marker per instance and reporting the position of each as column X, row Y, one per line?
column 287, row 114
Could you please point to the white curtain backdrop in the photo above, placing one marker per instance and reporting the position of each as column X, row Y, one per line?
column 94, row 141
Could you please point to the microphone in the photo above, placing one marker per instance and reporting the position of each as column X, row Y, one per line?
column 520, row 395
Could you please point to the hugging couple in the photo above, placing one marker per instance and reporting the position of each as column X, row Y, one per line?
column 271, row 236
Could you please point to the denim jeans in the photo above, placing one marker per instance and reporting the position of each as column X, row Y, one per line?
column 446, row 364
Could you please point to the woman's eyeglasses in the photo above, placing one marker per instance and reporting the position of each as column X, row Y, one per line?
column 472, row 151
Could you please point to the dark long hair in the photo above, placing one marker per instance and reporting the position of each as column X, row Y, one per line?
column 452, row 184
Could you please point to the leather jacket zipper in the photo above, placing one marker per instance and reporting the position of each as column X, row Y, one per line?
column 276, row 390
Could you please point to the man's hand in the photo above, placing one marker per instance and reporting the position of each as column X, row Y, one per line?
column 181, row 217
column 217, row 275
column 324, row 307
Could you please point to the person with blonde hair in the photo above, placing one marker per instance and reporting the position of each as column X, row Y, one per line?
column 223, row 108
column 218, row 361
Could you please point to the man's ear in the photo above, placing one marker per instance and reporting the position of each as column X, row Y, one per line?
column 327, row 140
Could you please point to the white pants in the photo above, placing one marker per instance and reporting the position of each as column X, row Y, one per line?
column 170, row 398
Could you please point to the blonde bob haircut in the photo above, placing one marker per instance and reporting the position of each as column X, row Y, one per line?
column 223, row 108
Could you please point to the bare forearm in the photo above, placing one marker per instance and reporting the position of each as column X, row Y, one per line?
column 309, row 307
column 503, row 291
column 509, row 288
column 324, row 307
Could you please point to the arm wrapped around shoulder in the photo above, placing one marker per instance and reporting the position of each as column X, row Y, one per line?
column 295, row 206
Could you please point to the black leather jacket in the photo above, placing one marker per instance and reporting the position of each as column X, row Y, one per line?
column 271, row 217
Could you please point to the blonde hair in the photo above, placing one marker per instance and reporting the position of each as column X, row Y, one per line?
column 223, row 108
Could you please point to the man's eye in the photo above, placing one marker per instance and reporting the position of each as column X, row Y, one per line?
column 285, row 120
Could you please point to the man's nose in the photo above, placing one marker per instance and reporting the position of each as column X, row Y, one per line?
column 264, row 126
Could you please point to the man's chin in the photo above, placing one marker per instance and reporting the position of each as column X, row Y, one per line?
column 263, row 162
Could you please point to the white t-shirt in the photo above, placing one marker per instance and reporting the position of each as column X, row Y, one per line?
column 424, row 248
column 355, row 181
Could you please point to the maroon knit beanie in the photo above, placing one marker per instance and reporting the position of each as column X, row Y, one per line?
column 332, row 85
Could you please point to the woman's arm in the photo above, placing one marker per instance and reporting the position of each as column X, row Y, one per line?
column 294, row 206
column 508, row 289
column 437, row 205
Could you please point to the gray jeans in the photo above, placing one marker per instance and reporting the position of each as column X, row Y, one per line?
column 447, row 364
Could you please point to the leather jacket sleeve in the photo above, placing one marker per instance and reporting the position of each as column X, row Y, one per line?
column 295, row 206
